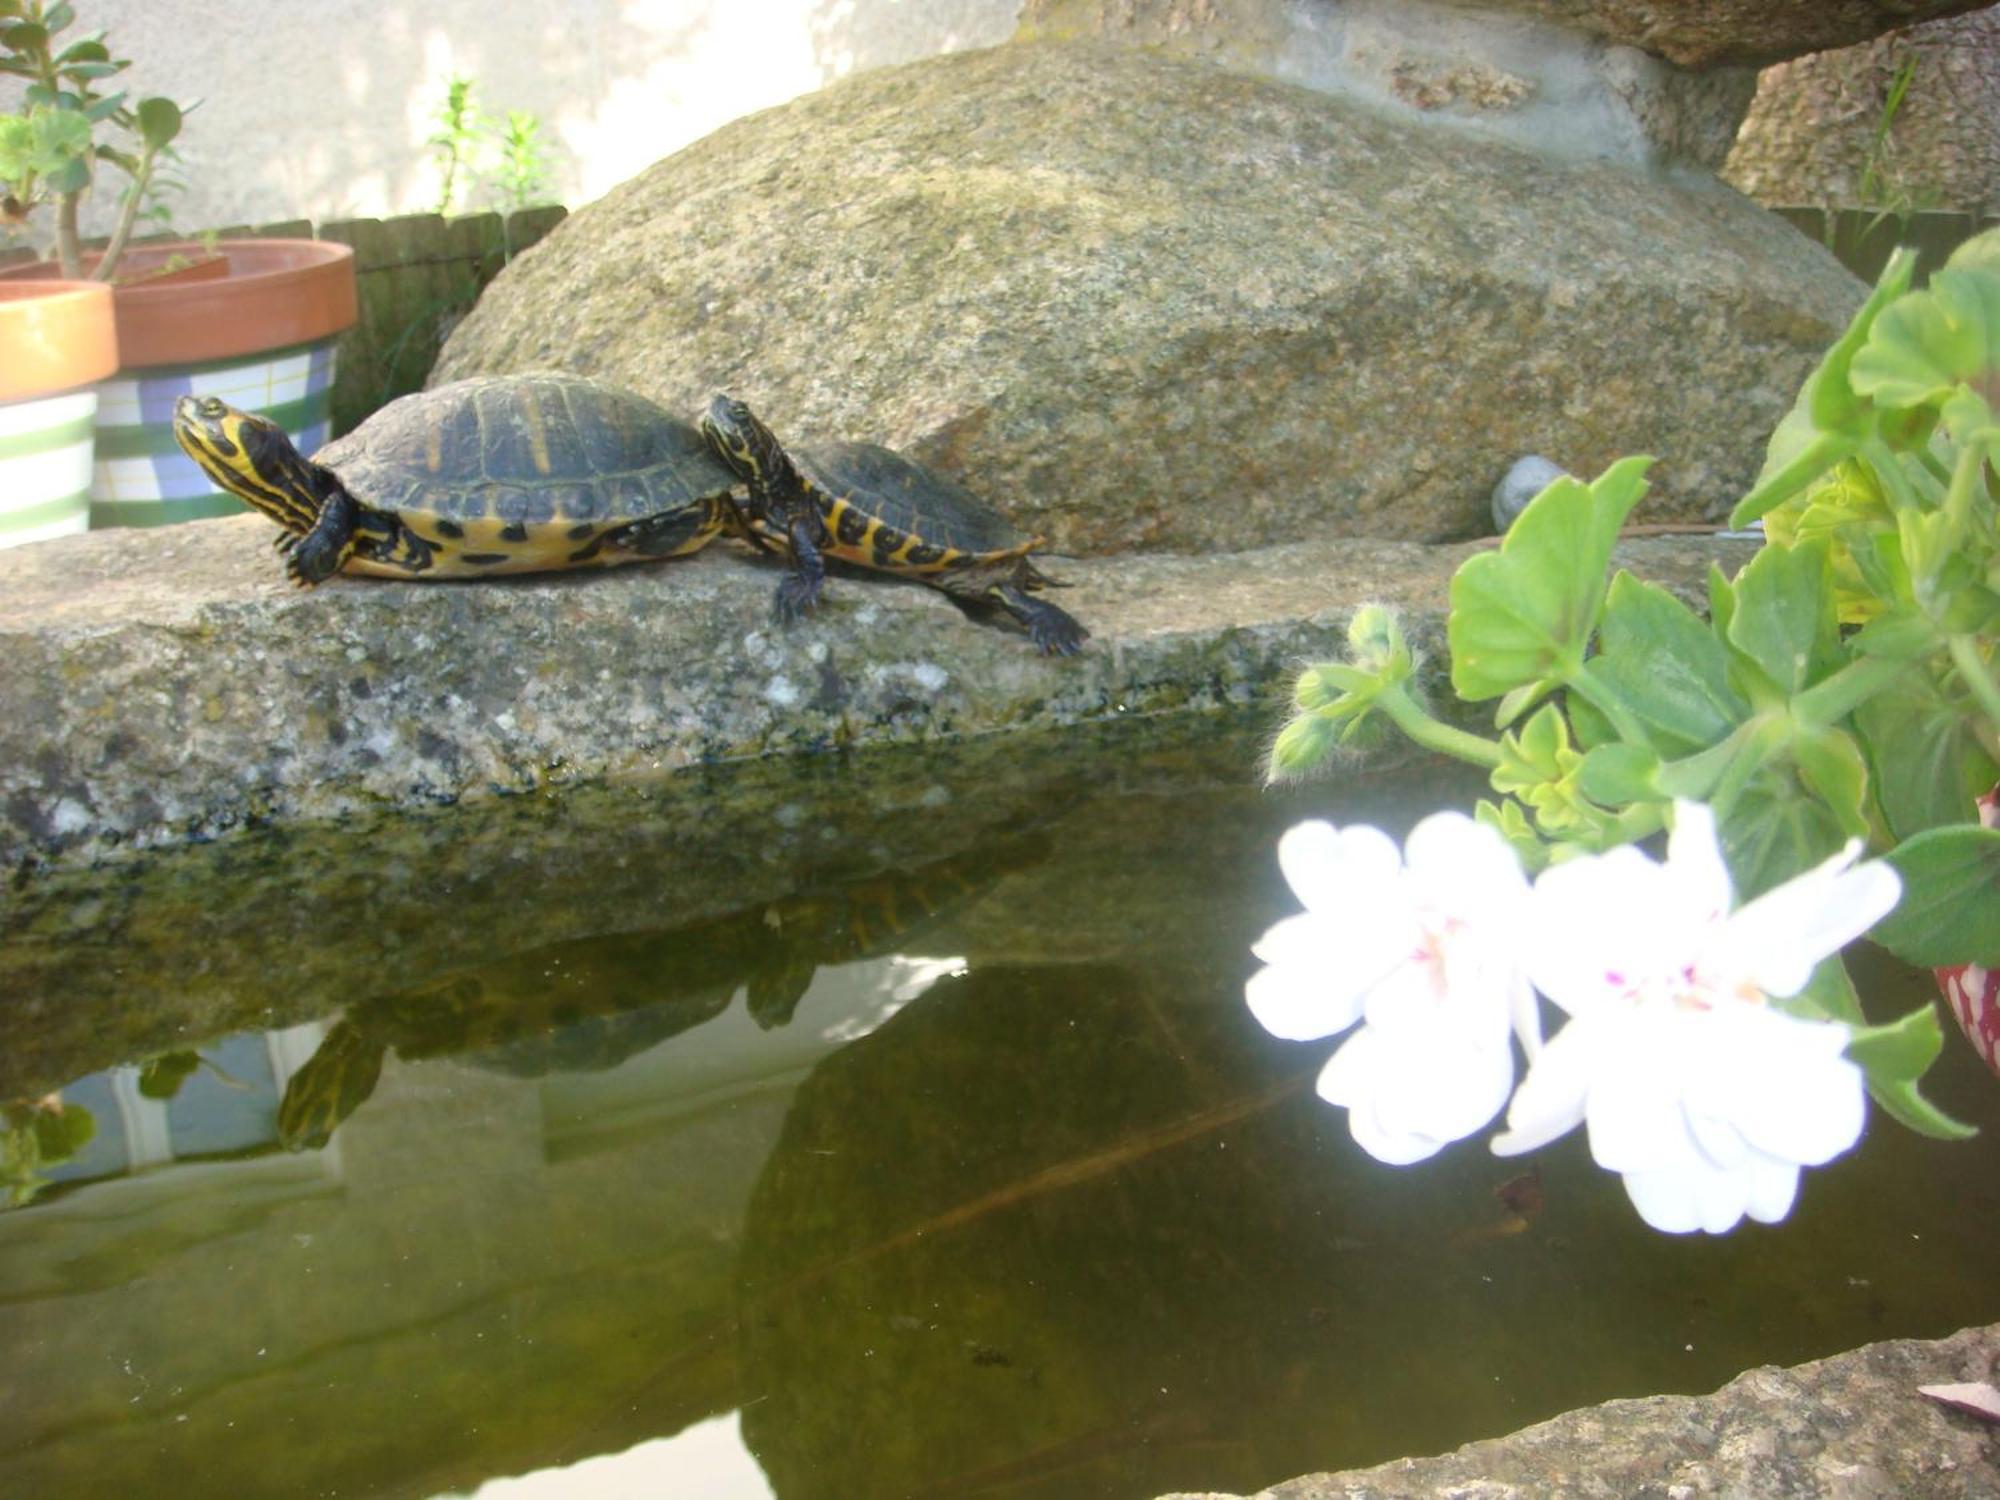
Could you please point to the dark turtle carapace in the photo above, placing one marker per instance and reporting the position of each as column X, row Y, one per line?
column 872, row 507
column 503, row 474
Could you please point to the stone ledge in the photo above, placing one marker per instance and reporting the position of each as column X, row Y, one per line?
column 1851, row 1426
column 157, row 686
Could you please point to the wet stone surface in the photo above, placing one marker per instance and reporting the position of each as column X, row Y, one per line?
column 157, row 686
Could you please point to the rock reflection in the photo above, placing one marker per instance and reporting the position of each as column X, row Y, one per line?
column 588, row 1005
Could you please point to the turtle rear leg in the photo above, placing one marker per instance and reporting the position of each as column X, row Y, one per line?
column 673, row 533
column 1055, row 632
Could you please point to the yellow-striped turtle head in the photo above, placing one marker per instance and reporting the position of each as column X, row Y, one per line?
column 249, row 456
column 743, row 442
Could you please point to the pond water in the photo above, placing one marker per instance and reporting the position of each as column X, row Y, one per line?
column 882, row 1126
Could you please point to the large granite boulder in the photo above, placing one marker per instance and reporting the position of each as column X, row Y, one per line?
column 1703, row 33
column 1841, row 1428
column 1813, row 134
column 1148, row 303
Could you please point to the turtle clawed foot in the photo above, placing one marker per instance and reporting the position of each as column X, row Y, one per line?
column 1055, row 632
column 796, row 598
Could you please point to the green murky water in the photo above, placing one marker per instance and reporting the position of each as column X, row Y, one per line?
column 880, row 1127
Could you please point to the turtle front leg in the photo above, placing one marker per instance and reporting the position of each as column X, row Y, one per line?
column 318, row 555
column 798, row 594
column 1055, row 632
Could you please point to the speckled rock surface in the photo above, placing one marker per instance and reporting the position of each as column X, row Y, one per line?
column 1542, row 81
column 1142, row 303
column 1703, row 33
column 1811, row 133
column 1851, row 1427
column 166, row 684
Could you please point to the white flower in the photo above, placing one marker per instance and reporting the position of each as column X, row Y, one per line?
column 1419, row 945
column 1702, row 1095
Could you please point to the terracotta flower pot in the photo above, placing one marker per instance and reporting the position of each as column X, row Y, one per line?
column 56, row 339
column 251, row 321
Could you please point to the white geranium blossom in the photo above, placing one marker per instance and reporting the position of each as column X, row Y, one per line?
column 1419, row 946
column 1702, row 1095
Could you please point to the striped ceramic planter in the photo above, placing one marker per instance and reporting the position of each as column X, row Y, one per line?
column 45, row 467
column 142, row 476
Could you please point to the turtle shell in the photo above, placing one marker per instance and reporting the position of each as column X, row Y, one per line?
column 887, row 487
column 525, row 452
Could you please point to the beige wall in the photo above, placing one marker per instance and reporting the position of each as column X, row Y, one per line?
column 320, row 108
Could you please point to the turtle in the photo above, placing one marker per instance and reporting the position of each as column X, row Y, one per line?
column 870, row 506
column 498, row 474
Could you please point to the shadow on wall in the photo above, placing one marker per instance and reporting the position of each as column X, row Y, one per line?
column 617, row 84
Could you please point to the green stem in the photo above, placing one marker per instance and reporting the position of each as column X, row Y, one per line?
column 1967, row 477
column 1607, row 701
column 1640, row 820
column 127, row 215
column 1433, row 734
column 1694, row 776
column 1972, row 667
column 1833, row 698
column 1765, row 733
column 69, row 241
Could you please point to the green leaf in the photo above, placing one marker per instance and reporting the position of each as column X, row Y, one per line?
column 90, row 49
column 1784, row 617
column 1928, row 763
column 1667, row 666
column 25, row 37
column 1922, row 348
column 1521, row 617
column 1618, row 775
column 1774, row 830
column 62, row 1132
column 159, row 121
column 1828, row 421
column 1892, row 1058
column 1902, row 636
column 1831, row 763
column 58, row 16
column 1950, row 911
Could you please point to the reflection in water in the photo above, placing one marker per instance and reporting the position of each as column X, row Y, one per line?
column 37, row 1136
column 707, row 1459
column 991, row 1187
column 588, row 1005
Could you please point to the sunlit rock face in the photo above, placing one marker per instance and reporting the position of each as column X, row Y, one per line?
column 1144, row 303
column 1690, row 33
column 1813, row 134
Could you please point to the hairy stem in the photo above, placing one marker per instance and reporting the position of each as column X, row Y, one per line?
column 1433, row 734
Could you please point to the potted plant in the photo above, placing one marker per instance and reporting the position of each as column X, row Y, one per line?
column 252, row 321
column 56, row 341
